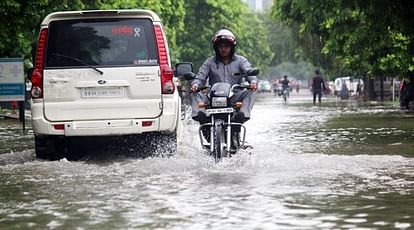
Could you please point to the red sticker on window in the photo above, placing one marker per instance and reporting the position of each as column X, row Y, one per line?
column 122, row 30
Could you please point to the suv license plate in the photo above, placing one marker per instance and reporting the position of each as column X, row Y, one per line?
column 215, row 111
column 102, row 92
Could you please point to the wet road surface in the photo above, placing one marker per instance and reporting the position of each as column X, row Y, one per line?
column 341, row 165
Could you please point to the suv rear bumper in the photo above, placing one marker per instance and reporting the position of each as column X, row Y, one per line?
column 166, row 123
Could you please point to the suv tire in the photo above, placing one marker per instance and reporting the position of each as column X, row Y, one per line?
column 49, row 147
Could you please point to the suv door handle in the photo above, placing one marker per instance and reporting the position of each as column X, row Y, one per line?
column 55, row 80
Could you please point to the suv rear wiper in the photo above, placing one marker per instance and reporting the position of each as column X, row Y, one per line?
column 80, row 61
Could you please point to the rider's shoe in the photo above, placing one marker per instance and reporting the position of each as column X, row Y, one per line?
column 201, row 117
column 239, row 117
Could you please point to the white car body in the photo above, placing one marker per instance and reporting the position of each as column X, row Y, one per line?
column 349, row 82
column 132, row 97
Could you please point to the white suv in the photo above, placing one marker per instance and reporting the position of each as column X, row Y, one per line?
column 102, row 73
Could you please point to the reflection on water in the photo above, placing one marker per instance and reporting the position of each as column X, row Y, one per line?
column 13, row 138
column 310, row 168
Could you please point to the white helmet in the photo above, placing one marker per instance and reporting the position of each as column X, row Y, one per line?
column 224, row 36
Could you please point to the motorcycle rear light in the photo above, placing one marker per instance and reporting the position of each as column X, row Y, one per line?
column 201, row 105
column 146, row 123
column 239, row 105
column 59, row 126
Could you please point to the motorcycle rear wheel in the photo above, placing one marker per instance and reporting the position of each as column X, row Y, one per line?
column 285, row 96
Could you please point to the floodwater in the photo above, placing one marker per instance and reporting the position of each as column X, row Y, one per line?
column 339, row 166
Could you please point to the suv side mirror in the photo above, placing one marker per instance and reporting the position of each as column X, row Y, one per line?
column 252, row 72
column 183, row 68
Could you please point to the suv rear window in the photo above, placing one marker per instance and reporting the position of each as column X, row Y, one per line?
column 101, row 42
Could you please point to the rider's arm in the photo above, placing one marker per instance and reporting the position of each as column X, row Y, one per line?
column 245, row 65
column 202, row 75
column 324, row 86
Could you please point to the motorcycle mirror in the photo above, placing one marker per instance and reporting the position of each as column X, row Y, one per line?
column 189, row 76
column 253, row 72
column 183, row 68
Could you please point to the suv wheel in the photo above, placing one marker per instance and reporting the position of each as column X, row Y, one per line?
column 49, row 147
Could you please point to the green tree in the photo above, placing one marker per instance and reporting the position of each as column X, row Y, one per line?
column 362, row 36
column 204, row 17
column 189, row 25
column 282, row 41
column 21, row 20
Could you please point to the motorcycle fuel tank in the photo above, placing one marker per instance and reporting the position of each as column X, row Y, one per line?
column 220, row 89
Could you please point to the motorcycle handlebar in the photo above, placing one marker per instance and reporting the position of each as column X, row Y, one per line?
column 198, row 90
column 241, row 87
column 207, row 87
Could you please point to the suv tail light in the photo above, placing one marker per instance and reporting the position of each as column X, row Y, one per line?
column 37, row 74
column 167, row 73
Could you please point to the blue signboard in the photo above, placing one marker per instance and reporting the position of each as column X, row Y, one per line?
column 12, row 87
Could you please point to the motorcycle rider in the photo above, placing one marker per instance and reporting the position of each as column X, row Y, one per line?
column 224, row 66
column 285, row 84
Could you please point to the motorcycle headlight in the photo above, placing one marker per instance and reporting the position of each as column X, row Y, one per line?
column 219, row 102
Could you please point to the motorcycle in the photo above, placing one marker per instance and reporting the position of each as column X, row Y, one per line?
column 285, row 93
column 226, row 136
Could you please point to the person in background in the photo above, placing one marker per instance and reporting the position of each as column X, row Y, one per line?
column 285, row 85
column 359, row 89
column 318, row 87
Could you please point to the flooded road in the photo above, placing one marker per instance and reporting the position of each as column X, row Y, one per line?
column 338, row 166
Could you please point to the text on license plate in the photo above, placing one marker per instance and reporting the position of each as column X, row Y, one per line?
column 102, row 92
column 215, row 111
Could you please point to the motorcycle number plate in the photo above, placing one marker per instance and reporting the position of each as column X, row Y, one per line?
column 221, row 110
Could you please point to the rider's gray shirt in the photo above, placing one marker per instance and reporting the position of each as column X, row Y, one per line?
column 216, row 71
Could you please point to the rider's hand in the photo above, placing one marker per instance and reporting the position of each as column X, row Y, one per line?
column 194, row 88
column 253, row 86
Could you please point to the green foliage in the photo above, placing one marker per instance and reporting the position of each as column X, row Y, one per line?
column 190, row 25
column 253, row 42
column 283, row 43
column 204, row 17
column 374, row 36
column 300, row 70
column 21, row 20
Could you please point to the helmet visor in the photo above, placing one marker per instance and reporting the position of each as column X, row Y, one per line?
column 224, row 39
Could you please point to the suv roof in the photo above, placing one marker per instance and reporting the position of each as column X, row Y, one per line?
column 100, row 13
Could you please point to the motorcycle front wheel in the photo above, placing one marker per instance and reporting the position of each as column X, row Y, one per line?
column 219, row 141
